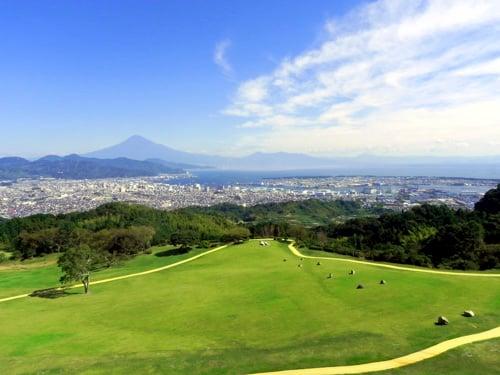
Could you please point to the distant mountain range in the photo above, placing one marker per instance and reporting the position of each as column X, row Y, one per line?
column 140, row 148
column 138, row 156
column 177, row 165
column 78, row 167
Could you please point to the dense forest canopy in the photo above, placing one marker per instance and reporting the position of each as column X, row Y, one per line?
column 490, row 203
column 117, row 228
column 426, row 235
column 307, row 212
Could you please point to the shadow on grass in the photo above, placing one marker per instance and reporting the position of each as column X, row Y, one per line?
column 172, row 252
column 51, row 293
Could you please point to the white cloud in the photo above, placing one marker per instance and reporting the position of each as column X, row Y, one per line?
column 491, row 67
column 220, row 58
column 390, row 77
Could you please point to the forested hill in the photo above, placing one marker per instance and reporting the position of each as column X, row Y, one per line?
column 311, row 212
column 116, row 228
column 41, row 234
column 427, row 235
column 77, row 167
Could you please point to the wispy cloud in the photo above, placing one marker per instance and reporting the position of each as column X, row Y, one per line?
column 220, row 58
column 390, row 77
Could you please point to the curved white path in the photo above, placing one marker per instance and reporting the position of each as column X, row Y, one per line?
column 129, row 275
column 406, row 360
column 390, row 364
column 338, row 370
column 296, row 252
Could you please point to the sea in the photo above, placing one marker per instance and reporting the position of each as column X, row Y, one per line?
column 216, row 177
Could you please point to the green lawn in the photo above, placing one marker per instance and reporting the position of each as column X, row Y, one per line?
column 27, row 276
column 479, row 358
column 318, row 253
column 240, row 310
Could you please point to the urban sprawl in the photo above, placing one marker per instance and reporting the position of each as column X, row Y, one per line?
column 28, row 197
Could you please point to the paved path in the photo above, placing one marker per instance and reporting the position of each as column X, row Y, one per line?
column 337, row 370
column 396, row 362
column 129, row 275
column 401, row 361
column 296, row 252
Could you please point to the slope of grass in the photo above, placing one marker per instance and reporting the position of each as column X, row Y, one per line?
column 241, row 310
column 479, row 358
column 327, row 254
column 39, row 273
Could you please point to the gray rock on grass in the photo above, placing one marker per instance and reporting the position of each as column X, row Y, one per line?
column 442, row 321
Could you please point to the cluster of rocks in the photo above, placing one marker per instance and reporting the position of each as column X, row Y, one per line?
column 443, row 321
column 361, row 286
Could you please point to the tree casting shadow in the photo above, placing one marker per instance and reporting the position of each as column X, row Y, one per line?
column 172, row 252
column 51, row 293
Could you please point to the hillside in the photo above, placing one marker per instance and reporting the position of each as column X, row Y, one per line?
column 78, row 167
column 118, row 228
column 177, row 165
column 311, row 212
column 140, row 148
column 431, row 236
column 240, row 310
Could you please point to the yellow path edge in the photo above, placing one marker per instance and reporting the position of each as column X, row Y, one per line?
column 129, row 275
column 337, row 370
column 296, row 252
column 406, row 360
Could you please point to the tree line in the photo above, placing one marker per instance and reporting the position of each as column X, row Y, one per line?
column 87, row 241
column 116, row 229
column 426, row 235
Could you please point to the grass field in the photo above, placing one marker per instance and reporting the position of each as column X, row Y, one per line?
column 479, row 358
column 242, row 310
column 26, row 276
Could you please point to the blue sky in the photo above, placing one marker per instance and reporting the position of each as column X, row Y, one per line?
column 324, row 77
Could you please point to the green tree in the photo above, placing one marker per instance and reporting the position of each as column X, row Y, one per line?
column 490, row 203
column 236, row 234
column 184, row 238
column 298, row 232
column 125, row 242
column 77, row 263
column 456, row 246
column 45, row 241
